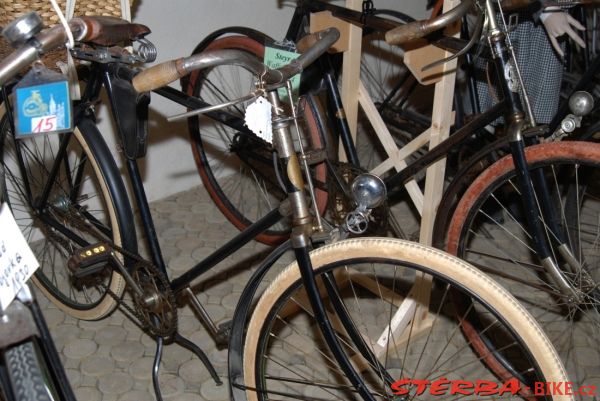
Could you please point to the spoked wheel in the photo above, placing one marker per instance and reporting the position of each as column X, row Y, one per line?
column 66, row 193
column 237, row 167
column 391, row 310
column 489, row 230
column 460, row 183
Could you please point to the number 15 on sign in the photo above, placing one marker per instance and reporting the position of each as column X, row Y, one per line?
column 43, row 124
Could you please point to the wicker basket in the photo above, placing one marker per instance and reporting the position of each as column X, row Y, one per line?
column 11, row 9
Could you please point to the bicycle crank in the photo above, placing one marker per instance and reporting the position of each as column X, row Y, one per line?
column 154, row 305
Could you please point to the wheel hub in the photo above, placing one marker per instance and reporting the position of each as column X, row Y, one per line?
column 62, row 203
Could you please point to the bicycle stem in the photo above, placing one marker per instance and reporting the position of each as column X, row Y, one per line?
column 293, row 179
column 517, row 69
column 311, row 187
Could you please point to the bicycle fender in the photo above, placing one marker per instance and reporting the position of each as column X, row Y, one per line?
column 240, row 317
column 116, row 187
column 131, row 115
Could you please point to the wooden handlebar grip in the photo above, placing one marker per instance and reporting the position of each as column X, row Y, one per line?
column 405, row 33
column 157, row 76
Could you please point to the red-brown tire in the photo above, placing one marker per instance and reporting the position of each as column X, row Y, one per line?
column 488, row 229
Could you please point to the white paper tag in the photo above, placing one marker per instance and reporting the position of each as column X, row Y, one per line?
column 17, row 262
column 258, row 119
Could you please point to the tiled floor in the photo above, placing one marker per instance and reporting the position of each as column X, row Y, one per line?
column 111, row 359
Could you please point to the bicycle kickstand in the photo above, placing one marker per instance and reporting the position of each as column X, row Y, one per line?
column 155, row 366
column 185, row 343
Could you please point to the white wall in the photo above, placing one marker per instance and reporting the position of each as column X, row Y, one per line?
column 177, row 26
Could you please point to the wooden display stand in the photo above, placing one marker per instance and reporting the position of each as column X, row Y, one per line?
column 354, row 94
column 416, row 305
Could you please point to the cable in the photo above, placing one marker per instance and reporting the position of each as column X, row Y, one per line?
column 65, row 24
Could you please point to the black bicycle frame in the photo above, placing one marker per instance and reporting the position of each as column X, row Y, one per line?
column 511, row 106
column 394, row 183
column 302, row 256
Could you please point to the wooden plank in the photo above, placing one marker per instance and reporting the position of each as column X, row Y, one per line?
column 388, row 143
column 322, row 20
column 441, row 121
column 421, row 54
column 351, row 73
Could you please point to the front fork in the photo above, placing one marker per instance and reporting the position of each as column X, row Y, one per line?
column 543, row 219
column 302, row 229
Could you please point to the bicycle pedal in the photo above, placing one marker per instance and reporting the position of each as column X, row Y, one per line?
column 222, row 335
column 90, row 260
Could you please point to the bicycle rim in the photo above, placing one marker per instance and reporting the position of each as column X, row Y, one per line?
column 489, row 230
column 78, row 197
column 286, row 357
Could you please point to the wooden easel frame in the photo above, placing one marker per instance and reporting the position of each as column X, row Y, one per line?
column 354, row 94
column 416, row 305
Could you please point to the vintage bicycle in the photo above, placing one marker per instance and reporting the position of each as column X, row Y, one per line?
column 390, row 88
column 502, row 243
column 356, row 304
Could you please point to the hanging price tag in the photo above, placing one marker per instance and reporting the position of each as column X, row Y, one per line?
column 17, row 262
column 258, row 119
column 42, row 103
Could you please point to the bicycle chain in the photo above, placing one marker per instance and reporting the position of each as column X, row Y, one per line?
column 167, row 315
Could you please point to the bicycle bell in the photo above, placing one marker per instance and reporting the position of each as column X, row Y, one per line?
column 581, row 103
column 22, row 29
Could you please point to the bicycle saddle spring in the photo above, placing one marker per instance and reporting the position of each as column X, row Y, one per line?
column 146, row 50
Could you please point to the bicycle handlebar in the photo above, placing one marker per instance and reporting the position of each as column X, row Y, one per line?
column 98, row 30
column 419, row 29
column 169, row 71
column 46, row 41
